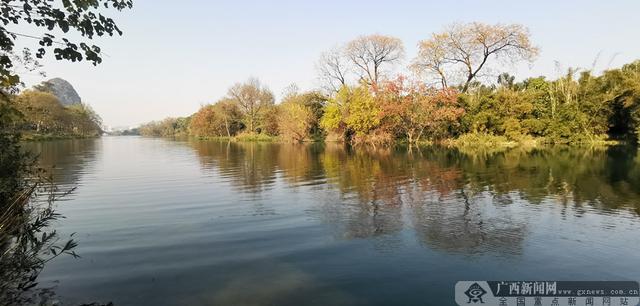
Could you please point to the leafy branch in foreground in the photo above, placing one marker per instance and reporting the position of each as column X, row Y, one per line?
column 83, row 17
column 27, row 241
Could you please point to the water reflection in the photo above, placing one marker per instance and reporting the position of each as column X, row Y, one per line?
column 65, row 160
column 607, row 178
column 453, row 201
column 256, row 284
column 251, row 168
column 164, row 222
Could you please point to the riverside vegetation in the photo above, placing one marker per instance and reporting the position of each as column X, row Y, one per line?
column 363, row 102
column 27, row 195
column 43, row 117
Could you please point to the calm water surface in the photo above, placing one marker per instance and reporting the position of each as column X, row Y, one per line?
column 164, row 222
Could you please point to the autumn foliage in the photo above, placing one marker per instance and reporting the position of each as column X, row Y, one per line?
column 413, row 110
column 393, row 110
column 449, row 92
column 220, row 119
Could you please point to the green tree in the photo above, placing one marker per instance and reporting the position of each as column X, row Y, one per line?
column 335, row 111
column 84, row 121
column 294, row 120
column 168, row 127
column 353, row 112
column 364, row 113
column 42, row 111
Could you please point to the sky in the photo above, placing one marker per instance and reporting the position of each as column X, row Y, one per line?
column 176, row 56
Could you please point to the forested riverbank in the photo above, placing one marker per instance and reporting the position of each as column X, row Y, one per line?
column 40, row 115
column 454, row 91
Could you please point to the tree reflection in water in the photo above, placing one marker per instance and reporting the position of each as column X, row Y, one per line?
column 463, row 202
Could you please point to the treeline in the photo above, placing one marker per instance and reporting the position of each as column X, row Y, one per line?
column 40, row 114
column 249, row 112
column 169, row 127
column 444, row 97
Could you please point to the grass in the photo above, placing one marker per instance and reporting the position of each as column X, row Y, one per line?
column 481, row 140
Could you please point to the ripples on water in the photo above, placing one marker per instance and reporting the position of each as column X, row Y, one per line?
column 211, row 223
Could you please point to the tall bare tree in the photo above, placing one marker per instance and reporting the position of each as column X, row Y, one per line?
column 432, row 58
column 333, row 69
column 370, row 53
column 253, row 98
column 467, row 49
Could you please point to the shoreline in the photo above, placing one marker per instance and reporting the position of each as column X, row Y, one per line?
column 466, row 141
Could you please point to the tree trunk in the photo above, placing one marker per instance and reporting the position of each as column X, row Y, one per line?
column 466, row 84
column 419, row 135
column 226, row 125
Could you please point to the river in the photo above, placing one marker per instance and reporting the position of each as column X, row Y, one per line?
column 187, row 222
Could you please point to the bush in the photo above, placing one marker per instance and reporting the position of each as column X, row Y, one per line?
column 254, row 137
column 482, row 140
column 375, row 138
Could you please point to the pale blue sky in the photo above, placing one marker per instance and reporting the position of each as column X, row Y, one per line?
column 177, row 55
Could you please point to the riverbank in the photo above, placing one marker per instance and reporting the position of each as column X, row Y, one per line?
column 241, row 138
column 494, row 141
column 46, row 137
column 475, row 141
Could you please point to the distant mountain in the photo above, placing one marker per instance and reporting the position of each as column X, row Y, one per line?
column 62, row 89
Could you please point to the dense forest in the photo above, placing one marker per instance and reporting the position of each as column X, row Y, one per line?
column 455, row 91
